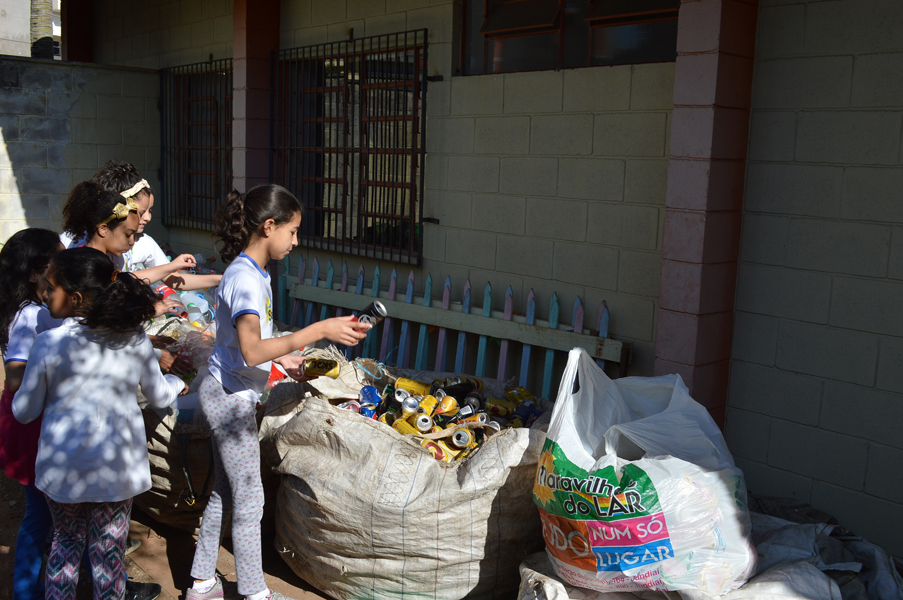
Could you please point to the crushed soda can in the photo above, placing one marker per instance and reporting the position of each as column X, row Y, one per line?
column 370, row 395
column 368, row 410
column 352, row 405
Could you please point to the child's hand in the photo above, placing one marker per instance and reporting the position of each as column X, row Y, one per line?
column 184, row 390
column 293, row 366
column 345, row 330
column 161, row 342
column 183, row 261
column 171, row 305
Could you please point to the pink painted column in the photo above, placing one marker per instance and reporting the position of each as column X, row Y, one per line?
column 709, row 132
column 255, row 35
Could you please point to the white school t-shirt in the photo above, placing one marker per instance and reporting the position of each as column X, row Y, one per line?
column 31, row 320
column 145, row 254
column 70, row 242
column 244, row 289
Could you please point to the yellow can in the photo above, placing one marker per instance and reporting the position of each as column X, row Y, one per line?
column 463, row 438
column 414, row 388
column 439, row 450
column 518, row 395
column 448, row 406
column 321, row 367
column 404, row 427
column 480, row 418
column 500, row 408
column 428, row 404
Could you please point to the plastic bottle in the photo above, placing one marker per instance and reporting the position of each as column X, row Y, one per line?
column 195, row 316
column 195, row 298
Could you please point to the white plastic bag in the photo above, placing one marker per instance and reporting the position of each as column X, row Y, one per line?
column 637, row 490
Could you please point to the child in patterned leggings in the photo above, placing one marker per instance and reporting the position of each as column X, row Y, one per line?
column 83, row 376
column 254, row 229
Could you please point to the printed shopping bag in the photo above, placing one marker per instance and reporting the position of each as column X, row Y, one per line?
column 637, row 490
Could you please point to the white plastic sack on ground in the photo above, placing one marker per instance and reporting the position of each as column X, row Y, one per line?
column 637, row 490
column 364, row 512
column 785, row 581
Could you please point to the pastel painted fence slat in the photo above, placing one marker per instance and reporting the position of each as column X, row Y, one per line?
column 479, row 326
column 442, row 343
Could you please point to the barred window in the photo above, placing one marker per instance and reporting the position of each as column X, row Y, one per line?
column 347, row 137
column 196, row 142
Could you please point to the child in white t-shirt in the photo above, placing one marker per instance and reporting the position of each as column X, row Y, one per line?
column 23, row 264
column 255, row 229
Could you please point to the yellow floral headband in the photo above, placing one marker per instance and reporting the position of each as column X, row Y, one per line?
column 121, row 211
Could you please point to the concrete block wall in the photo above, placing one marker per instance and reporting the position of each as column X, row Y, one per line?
column 59, row 122
column 553, row 181
column 816, row 392
column 168, row 33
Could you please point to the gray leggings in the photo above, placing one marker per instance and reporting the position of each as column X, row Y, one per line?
column 238, row 486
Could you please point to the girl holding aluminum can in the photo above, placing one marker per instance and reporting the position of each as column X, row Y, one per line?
column 254, row 229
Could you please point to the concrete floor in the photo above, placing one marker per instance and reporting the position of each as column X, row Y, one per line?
column 165, row 557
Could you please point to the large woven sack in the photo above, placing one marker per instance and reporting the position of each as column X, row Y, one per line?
column 364, row 512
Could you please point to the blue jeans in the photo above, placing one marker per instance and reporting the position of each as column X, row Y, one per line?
column 36, row 524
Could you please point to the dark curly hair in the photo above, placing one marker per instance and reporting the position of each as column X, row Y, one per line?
column 118, row 176
column 87, row 205
column 119, row 303
column 26, row 252
column 240, row 218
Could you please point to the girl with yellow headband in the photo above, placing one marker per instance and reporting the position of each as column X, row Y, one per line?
column 109, row 222
column 146, row 257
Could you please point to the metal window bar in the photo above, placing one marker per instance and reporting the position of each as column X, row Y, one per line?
column 348, row 123
column 196, row 142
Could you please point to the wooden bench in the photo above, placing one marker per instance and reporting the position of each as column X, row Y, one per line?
column 303, row 300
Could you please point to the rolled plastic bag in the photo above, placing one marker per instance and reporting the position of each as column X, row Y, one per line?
column 637, row 490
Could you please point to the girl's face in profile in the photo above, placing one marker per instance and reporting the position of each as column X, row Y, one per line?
column 145, row 203
column 60, row 304
column 121, row 238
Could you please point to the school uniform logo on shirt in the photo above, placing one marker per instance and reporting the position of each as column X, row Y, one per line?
column 269, row 311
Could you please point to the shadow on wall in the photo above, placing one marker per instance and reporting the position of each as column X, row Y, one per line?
column 33, row 128
column 59, row 122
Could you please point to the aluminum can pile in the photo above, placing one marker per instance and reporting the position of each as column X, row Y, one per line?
column 456, row 405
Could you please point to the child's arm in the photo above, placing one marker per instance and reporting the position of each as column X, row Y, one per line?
column 28, row 403
column 255, row 351
column 187, row 281
column 159, row 389
column 159, row 272
column 15, row 369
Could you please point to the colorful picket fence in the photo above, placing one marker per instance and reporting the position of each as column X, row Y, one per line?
column 304, row 299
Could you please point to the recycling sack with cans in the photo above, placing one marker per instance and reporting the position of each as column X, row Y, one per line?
column 637, row 490
column 366, row 512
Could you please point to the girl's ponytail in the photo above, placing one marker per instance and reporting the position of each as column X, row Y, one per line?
column 114, row 300
column 240, row 218
column 230, row 226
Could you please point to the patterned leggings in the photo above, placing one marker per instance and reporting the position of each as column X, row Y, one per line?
column 237, row 462
column 104, row 526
